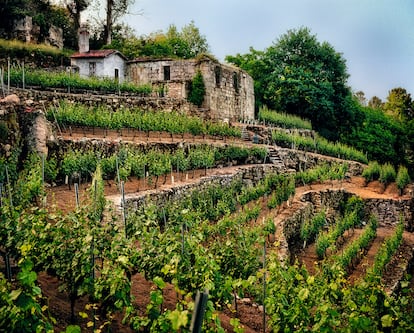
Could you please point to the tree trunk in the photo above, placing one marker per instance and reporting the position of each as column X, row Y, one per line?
column 108, row 27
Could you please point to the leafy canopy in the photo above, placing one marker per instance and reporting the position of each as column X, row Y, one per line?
column 187, row 43
column 301, row 76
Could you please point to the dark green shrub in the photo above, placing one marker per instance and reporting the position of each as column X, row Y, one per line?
column 4, row 131
column 372, row 172
column 403, row 178
column 387, row 174
column 198, row 90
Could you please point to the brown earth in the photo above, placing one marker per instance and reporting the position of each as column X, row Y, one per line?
column 249, row 314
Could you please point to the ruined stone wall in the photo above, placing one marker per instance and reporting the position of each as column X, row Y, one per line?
column 229, row 90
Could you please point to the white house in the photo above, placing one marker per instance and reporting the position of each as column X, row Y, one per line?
column 99, row 63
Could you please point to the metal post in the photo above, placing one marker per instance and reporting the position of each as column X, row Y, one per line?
column 199, row 310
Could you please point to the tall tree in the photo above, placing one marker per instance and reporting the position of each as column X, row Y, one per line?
column 399, row 104
column 360, row 96
column 375, row 103
column 196, row 42
column 115, row 9
column 305, row 77
column 75, row 8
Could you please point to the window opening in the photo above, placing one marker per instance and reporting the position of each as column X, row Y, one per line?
column 167, row 73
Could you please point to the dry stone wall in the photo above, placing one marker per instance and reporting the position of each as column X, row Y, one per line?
column 44, row 99
column 249, row 175
column 388, row 213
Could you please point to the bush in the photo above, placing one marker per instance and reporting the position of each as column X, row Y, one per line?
column 372, row 172
column 387, row 174
column 283, row 120
column 197, row 90
column 403, row 178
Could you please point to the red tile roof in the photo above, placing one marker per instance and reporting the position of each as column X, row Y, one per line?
column 96, row 54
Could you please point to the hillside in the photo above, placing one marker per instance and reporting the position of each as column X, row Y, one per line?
column 217, row 199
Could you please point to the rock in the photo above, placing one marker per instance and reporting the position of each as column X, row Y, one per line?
column 10, row 99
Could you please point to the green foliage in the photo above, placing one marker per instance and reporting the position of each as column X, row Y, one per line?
column 386, row 251
column 299, row 75
column 311, row 228
column 4, row 132
column 47, row 79
column 326, row 240
column 39, row 53
column 399, row 104
column 172, row 122
column 372, row 171
column 20, row 304
column 403, row 178
column 187, row 43
column 379, row 135
column 387, row 174
column 282, row 119
column 351, row 251
column 318, row 145
column 197, row 90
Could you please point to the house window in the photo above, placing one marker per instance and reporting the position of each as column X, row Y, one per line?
column 116, row 75
column 92, row 68
column 167, row 73
column 217, row 74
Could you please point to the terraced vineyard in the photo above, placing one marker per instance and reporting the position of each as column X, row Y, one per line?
column 160, row 215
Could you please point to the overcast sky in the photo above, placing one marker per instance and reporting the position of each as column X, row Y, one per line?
column 375, row 37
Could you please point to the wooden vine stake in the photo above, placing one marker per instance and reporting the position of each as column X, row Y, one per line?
column 264, row 286
column 124, row 218
column 77, row 195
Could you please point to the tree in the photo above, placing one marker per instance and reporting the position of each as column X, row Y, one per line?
column 197, row 43
column 10, row 10
column 305, row 77
column 375, row 103
column 399, row 104
column 379, row 135
column 254, row 64
column 75, row 8
column 184, row 44
column 115, row 9
column 360, row 95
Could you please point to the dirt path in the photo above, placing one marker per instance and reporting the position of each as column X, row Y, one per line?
column 368, row 259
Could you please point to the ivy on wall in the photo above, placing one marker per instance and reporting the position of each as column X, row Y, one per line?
column 197, row 90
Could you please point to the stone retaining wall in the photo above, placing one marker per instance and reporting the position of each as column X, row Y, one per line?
column 40, row 99
column 247, row 174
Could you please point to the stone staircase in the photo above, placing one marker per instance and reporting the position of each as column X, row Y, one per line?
column 245, row 134
column 275, row 158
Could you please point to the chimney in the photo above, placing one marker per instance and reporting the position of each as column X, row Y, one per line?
column 83, row 41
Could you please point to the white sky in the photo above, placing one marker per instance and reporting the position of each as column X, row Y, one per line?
column 376, row 37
